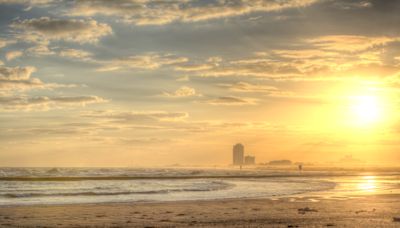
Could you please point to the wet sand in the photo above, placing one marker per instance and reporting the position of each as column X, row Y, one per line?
column 367, row 211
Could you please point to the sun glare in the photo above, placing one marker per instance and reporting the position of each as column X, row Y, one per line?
column 366, row 109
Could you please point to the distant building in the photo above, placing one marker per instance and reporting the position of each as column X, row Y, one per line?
column 238, row 153
column 280, row 162
column 249, row 160
column 348, row 159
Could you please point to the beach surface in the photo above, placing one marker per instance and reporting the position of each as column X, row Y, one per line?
column 363, row 211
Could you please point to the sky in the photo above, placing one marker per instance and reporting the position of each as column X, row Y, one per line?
column 148, row 82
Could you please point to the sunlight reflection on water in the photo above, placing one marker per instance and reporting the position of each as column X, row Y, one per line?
column 368, row 184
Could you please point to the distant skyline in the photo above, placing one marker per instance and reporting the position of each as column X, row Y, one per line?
column 99, row 83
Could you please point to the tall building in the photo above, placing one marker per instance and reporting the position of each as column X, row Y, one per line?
column 238, row 153
column 249, row 160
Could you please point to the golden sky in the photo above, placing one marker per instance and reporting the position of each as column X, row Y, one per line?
column 124, row 83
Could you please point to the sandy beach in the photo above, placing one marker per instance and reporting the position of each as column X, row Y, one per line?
column 365, row 211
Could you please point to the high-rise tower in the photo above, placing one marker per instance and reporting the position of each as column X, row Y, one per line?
column 238, row 152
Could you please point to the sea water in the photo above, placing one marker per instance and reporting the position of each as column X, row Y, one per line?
column 24, row 186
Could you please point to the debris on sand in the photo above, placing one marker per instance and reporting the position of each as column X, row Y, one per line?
column 305, row 210
column 396, row 219
column 362, row 211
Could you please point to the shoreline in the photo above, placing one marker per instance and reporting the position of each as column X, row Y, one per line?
column 373, row 210
column 74, row 178
column 309, row 194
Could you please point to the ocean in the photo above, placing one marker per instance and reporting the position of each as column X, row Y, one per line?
column 27, row 186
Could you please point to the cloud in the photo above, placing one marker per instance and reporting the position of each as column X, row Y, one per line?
column 163, row 121
column 59, row 130
column 335, row 57
column 128, row 117
column 144, row 141
column 153, row 12
column 271, row 92
column 340, row 57
column 81, row 100
column 312, row 53
column 256, row 67
column 13, row 54
column 148, row 61
column 44, row 29
column 16, row 73
column 19, row 78
column 29, row 4
column 99, row 130
column 15, row 103
column 352, row 5
column 183, row 79
column 40, row 50
column 26, row 2
column 193, row 67
column 5, row 42
column 276, row 94
column 183, row 91
column 75, row 54
column 80, row 129
column 248, row 87
column 231, row 101
column 349, row 43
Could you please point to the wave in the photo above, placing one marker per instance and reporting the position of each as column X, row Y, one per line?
column 213, row 187
column 27, row 195
column 70, row 174
column 80, row 178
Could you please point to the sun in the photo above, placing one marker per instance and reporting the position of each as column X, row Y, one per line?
column 366, row 109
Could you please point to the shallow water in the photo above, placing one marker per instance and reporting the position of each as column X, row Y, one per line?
column 20, row 186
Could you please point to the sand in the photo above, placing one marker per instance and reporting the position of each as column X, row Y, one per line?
column 367, row 211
